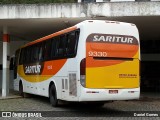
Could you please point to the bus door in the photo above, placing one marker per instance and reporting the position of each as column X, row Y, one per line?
column 112, row 61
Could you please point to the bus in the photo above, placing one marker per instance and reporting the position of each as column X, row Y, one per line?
column 92, row 61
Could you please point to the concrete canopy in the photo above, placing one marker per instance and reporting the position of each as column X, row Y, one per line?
column 31, row 29
column 32, row 21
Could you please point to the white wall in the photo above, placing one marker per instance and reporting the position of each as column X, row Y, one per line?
column 74, row 10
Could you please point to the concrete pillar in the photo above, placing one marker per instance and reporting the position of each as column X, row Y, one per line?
column 6, row 60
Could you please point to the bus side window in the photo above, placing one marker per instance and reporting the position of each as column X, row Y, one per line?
column 53, row 48
column 35, row 53
column 28, row 55
column 21, row 56
column 61, row 46
column 47, row 52
column 41, row 51
column 25, row 55
column 70, row 43
column 72, row 39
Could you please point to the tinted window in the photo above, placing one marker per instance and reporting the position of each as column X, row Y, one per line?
column 28, row 54
column 54, row 48
column 72, row 39
column 42, row 47
column 47, row 49
column 63, row 46
column 34, row 53
column 21, row 56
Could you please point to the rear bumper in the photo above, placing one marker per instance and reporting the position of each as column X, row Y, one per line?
column 103, row 94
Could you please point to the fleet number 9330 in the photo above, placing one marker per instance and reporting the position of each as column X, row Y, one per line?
column 97, row 54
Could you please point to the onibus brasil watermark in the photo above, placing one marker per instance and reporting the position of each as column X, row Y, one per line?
column 38, row 114
column 21, row 114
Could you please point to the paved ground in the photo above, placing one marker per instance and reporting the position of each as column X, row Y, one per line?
column 81, row 111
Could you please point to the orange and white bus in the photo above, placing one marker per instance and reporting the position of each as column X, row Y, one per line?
column 95, row 60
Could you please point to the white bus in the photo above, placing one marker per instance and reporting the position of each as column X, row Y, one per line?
column 93, row 61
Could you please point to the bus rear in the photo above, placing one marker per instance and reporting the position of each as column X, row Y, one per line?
column 110, row 70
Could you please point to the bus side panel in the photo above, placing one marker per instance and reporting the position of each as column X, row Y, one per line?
column 37, row 83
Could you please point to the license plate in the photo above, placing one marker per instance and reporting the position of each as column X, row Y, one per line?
column 113, row 91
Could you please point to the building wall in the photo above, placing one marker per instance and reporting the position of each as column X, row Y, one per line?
column 76, row 10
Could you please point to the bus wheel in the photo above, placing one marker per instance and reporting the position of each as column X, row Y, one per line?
column 53, row 96
column 21, row 89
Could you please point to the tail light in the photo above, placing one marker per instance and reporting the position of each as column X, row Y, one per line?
column 83, row 72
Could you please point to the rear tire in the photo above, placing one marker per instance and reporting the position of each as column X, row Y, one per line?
column 53, row 96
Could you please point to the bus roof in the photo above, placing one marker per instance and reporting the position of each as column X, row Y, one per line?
column 74, row 28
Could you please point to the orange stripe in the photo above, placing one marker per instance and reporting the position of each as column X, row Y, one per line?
column 113, row 50
column 51, row 35
column 52, row 67
column 6, row 38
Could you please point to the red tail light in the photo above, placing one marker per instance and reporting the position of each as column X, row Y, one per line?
column 83, row 67
column 83, row 72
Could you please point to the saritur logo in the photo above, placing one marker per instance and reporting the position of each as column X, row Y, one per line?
column 111, row 38
column 33, row 69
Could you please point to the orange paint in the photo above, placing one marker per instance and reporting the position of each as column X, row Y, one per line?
column 112, row 50
column 52, row 67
